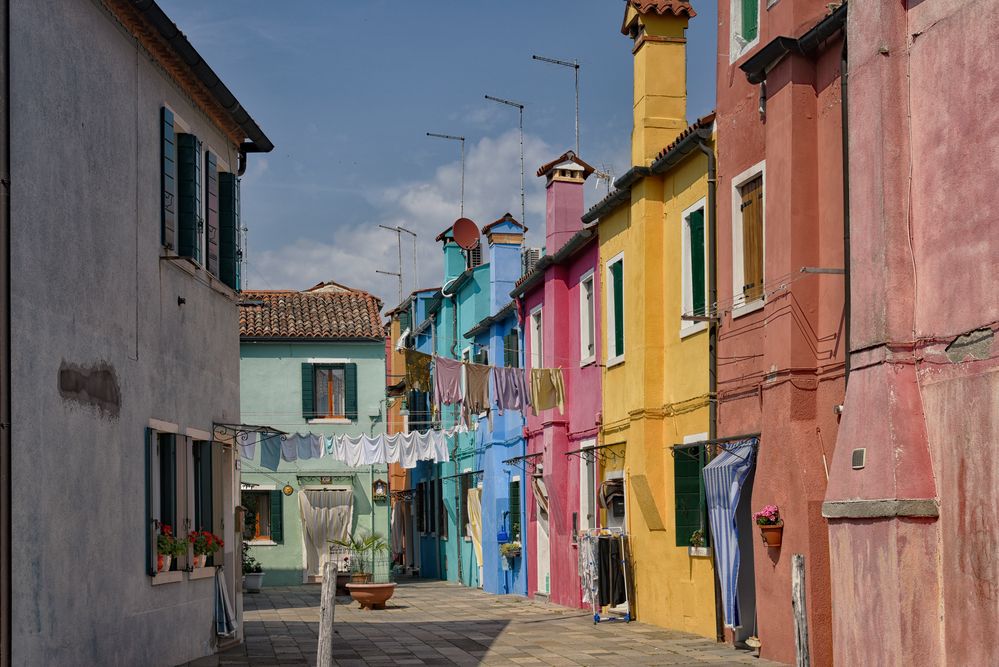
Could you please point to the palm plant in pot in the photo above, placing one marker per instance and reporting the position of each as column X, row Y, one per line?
column 253, row 571
column 365, row 550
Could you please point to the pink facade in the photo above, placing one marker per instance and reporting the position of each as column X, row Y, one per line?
column 912, row 531
column 555, row 287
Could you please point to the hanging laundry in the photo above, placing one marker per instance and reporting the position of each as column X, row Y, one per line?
column 418, row 370
column 611, row 574
column 248, row 447
column 547, row 389
column 289, row 449
column 588, row 568
column 448, row 387
column 406, row 449
column 510, row 389
column 477, row 392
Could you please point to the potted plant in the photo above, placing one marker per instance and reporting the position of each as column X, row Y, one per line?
column 168, row 547
column 204, row 544
column 253, row 571
column 510, row 550
column 771, row 525
column 364, row 550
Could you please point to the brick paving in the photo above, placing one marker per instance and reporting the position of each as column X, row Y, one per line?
column 436, row 623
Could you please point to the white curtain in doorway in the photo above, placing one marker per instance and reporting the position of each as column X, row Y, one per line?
column 327, row 515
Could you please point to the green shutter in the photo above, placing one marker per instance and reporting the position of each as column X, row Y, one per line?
column 150, row 519
column 229, row 254
column 308, row 382
column 168, row 481
column 420, row 508
column 350, row 390
column 617, row 277
column 750, row 19
column 515, row 510
column 203, row 514
column 404, row 320
column 189, row 195
column 696, row 225
column 277, row 516
column 211, row 213
column 688, row 491
column 168, row 180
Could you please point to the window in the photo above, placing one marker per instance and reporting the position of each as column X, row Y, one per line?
column 514, row 508
column 748, row 231
column 230, row 249
column 264, row 519
column 537, row 336
column 442, row 509
column 744, row 24
column 615, row 310
column 190, row 222
column 475, row 256
column 167, row 449
column 587, row 319
column 693, row 270
column 465, row 483
column 203, row 486
column 688, row 490
column 511, row 349
column 587, row 488
column 421, row 524
column 211, row 199
column 166, row 486
column 329, row 391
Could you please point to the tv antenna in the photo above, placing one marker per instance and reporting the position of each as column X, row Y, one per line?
column 575, row 68
column 605, row 174
column 520, row 109
column 453, row 137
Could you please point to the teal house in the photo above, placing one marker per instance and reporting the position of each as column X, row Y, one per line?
column 311, row 362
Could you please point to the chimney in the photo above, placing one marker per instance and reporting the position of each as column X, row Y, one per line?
column 563, row 198
column 658, row 30
column 505, row 237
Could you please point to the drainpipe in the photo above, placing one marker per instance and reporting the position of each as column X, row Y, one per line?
column 713, row 338
column 843, row 76
column 5, row 463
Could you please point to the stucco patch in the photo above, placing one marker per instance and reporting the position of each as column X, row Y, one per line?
column 94, row 386
column 976, row 344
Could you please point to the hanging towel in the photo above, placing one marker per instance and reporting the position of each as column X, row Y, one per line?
column 448, row 388
column 547, row 389
column 418, row 370
column 510, row 389
column 611, row 575
column 225, row 619
column 289, row 449
column 270, row 452
column 406, row 449
column 477, row 392
column 248, row 448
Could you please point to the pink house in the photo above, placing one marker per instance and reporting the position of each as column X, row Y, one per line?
column 559, row 309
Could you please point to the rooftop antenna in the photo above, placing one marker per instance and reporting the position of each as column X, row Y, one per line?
column 416, row 266
column 398, row 236
column 462, row 140
column 244, row 254
column 575, row 67
column 605, row 174
column 520, row 109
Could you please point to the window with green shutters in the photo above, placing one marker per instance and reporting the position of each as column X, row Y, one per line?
column 150, row 532
column 230, row 253
column 421, row 511
column 329, row 391
column 694, row 302
column 168, row 180
column 211, row 213
column 615, row 314
column 750, row 19
column 168, row 480
column 189, row 222
column 688, row 489
column 465, row 483
column 277, row 516
column 511, row 349
column 203, row 487
column 514, row 508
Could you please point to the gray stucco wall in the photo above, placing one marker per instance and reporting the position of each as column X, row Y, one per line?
column 89, row 288
column 271, row 394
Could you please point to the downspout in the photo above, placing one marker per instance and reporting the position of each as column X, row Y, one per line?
column 5, row 373
column 713, row 339
column 847, row 303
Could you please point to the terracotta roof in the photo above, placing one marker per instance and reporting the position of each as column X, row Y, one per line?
column 674, row 7
column 506, row 218
column 568, row 156
column 702, row 122
column 326, row 311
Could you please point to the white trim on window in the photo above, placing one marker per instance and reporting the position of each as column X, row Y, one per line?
column 609, row 324
column 537, row 323
column 737, row 46
column 587, row 319
column 738, row 276
column 688, row 328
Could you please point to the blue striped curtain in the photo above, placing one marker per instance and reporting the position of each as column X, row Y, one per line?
column 225, row 621
column 723, row 480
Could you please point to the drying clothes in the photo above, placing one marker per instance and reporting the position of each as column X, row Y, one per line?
column 547, row 389
column 326, row 515
column 248, row 449
column 406, row 449
column 588, row 568
column 448, row 387
column 289, row 450
column 477, row 392
column 510, row 389
column 299, row 446
column 418, row 370
column 611, row 574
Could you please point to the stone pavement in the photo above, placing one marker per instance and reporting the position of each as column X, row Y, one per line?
column 436, row 623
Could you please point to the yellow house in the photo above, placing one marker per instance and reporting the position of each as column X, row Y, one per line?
column 654, row 242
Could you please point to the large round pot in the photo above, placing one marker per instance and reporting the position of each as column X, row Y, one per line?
column 772, row 534
column 252, row 581
column 371, row 596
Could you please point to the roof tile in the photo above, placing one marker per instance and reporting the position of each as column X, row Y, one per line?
column 318, row 313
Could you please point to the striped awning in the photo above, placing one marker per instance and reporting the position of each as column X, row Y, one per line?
column 723, row 480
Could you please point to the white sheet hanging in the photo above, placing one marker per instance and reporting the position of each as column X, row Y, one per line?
column 327, row 515
column 406, row 449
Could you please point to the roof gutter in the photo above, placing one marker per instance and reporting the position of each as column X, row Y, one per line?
column 168, row 30
column 486, row 322
column 758, row 67
column 571, row 247
column 689, row 144
column 619, row 196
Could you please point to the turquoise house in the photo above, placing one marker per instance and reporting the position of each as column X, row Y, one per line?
column 310, row 362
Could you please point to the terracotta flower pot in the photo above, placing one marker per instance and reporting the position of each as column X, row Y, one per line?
column 371, row 596
column 772, row 534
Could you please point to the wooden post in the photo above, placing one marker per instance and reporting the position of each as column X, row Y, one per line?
column 800, row 611
column 327, row 605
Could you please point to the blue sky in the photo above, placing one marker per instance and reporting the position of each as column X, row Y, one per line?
column 348, row 90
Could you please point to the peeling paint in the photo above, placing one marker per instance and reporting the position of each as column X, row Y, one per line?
column 94, row 386
column 976, row 344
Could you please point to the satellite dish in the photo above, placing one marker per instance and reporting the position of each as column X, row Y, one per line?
column 466, row 233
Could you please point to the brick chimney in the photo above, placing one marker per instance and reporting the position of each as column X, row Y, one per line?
column 563, row 199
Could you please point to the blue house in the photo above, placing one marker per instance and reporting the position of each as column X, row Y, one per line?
column 501, row 448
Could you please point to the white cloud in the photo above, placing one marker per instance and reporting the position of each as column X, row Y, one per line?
column 352, row 254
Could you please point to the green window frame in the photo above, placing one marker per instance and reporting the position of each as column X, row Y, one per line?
column 750, row 20
column 688, row 493
column 168, row 180
column 695, row 226
column 211, row 213
column 511, row 349
column 514, row 508
column 190, row 223
column 310, row 390
column 616, row 271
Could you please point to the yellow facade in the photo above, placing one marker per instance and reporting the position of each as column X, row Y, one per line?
column 658, row 394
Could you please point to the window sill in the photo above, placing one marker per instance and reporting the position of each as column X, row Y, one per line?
column 699, row 552
column 747, row 309
column 690, row 330
column 614, row 361
column 201, row 573
column 331, row 420
column 588, row 361
column 171, row 577
column 262, row 543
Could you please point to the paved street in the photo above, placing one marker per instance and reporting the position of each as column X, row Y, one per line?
column 434, row 623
